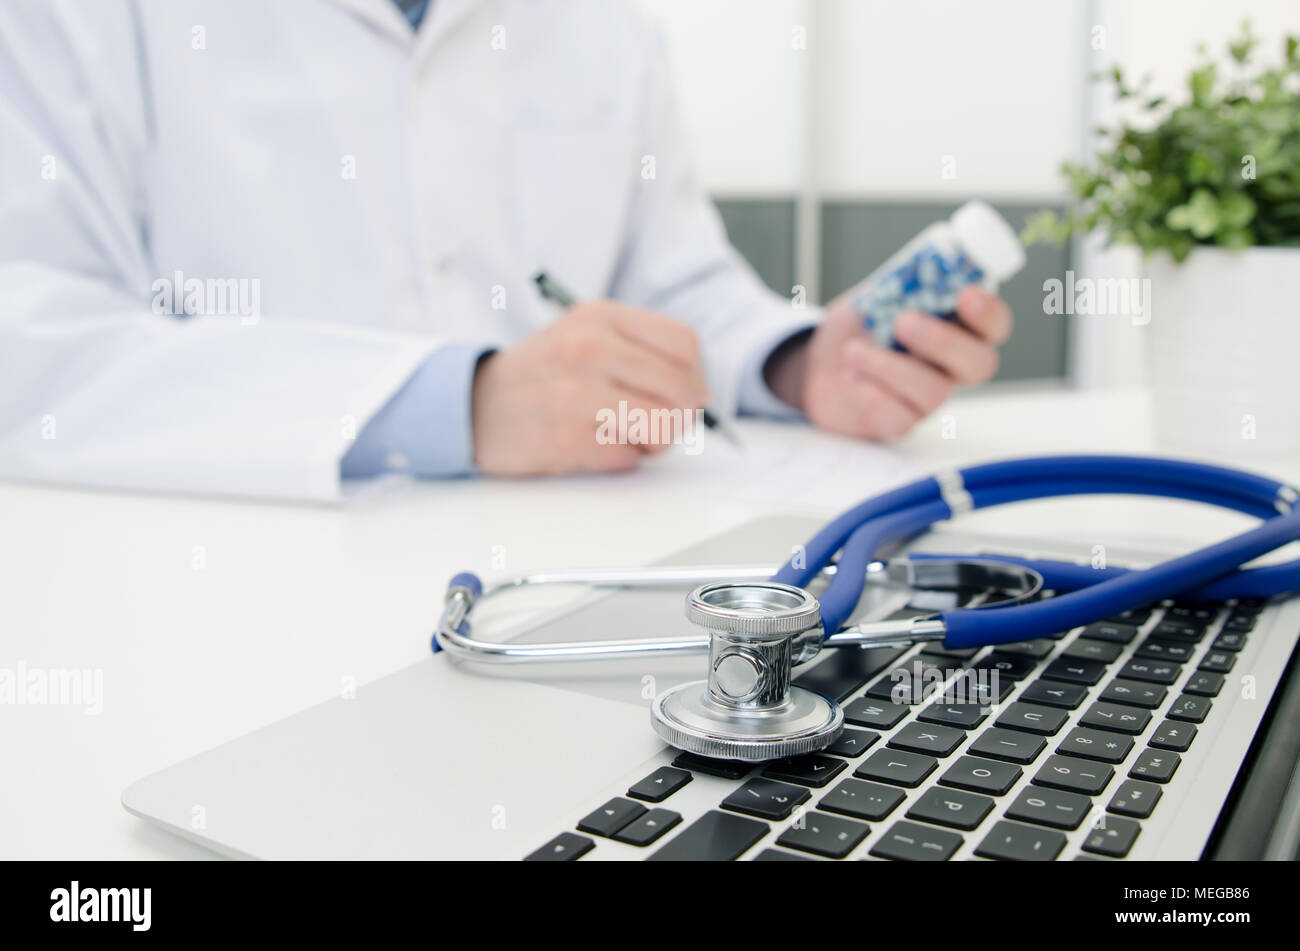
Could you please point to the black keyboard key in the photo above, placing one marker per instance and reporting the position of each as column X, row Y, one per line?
column 910, row 842
column 776, row 855
column 1134, row 693
column 714, row 837
column 1013, row 842
column 1191, row 708
column 1204, row 684
column 1240, row 623
column 565, row 847
column 1101, row 745
column 1050, row 807
column 862, row 799
column 1112, row 836
column 1218, row 662
column 1110, row 631
column 951, row 807
column 981, row 775
column 648, row 828
column 722, row 768
column 880, row 714
column 1229, row 641
column 897, row 766
column 611, row 817
column 1008, row 666
column 970, row 689
column 1134, row 617
column 841, row 673
column 1152, row 671
column 1135, row 799
column 964, row 716
column 1104, row 651
column 821, row 834
column 1172, row 735
column 938, row 653
column 1037, row 649
column 1158, row 766
column 1075, row 671
column 1179, row 652
column 1074, row 775
column 809, row 770
column 905, row 690
column 660, row 784
column 1193, row 613
column 927, row 738
column 1117, row 717
column 1053, row 693
column 1010, row 745
column 853, row 742
column 766, row 798
column 1032, row 718
column 1181, row 630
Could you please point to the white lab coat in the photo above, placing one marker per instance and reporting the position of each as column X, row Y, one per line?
column 384, row 193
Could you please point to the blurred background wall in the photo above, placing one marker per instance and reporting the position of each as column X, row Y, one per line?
column 830, row 131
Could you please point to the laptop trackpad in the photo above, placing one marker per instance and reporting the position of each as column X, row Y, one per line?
column 431, row 761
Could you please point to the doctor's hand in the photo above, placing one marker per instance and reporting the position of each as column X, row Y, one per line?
column 846, row 383
column 535, row 405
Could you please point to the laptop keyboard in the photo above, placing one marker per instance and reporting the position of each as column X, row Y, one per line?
column 997, row 753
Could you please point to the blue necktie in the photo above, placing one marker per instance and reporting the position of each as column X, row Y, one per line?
column 413, row 10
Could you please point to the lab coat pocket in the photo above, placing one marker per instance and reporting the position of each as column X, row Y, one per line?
column 572, row 187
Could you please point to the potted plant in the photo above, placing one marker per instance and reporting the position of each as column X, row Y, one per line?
column 1208, row 189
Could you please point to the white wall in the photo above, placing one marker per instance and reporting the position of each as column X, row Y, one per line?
column 741, row 83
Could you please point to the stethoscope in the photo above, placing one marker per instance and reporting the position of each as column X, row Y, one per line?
column 757, row 631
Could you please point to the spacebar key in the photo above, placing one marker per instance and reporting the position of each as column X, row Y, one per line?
column 716, row 837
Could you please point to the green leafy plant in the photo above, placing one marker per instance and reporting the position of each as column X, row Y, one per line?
column 1221, row 168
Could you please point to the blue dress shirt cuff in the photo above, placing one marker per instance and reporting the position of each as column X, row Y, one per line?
column 756, row 397
column 425, row 429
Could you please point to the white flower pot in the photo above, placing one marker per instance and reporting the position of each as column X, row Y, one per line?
column 1224, row 349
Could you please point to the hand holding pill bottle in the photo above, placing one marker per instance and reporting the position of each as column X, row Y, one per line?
column 974, row 246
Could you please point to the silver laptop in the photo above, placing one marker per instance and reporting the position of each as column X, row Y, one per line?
column 1168, row 733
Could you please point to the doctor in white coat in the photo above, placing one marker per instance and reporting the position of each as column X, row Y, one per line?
column 253, row 247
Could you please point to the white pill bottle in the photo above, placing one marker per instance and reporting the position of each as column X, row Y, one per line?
column 975, row 245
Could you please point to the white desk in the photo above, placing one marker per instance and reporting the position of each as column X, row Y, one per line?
column 209, row 619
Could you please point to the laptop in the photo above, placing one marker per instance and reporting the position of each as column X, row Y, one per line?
column 1170, row 732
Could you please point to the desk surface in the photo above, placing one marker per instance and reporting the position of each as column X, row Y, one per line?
column 211, row 618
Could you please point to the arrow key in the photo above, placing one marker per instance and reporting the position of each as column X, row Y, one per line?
column 649, row 827
column 660, row 784
column 611, row 817
column 565, row 847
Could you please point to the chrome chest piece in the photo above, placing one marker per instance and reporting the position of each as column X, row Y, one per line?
column 748, row 709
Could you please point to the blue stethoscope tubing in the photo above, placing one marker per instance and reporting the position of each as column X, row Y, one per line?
column 1213, row 573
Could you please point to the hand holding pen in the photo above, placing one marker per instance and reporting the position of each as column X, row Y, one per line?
column 537, row 406
column 554, row 291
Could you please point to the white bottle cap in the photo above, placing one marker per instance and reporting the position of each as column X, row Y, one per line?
column 988, row 240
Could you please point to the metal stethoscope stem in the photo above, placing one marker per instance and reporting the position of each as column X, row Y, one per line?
column 452, row 632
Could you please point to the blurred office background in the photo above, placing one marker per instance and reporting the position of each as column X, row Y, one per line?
column 831, row 131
